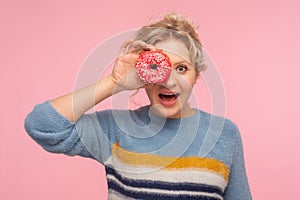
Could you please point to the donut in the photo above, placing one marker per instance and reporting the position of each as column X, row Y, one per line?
column 153, row 66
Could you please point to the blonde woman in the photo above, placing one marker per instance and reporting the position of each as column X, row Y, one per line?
column 155, row 151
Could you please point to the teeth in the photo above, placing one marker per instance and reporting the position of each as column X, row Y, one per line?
column 170, row 94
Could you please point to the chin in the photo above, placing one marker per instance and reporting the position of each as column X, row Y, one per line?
column 173, row 113
column 166, row 112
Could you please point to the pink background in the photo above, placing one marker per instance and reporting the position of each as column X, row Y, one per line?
column 255, row 45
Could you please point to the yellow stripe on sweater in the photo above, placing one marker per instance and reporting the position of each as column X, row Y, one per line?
column 168, row 162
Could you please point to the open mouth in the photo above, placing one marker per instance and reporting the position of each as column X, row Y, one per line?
column 168, row 99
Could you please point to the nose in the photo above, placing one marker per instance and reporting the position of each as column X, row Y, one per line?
column 171, row 82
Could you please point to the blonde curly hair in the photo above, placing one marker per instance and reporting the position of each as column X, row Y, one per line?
column 177, row 27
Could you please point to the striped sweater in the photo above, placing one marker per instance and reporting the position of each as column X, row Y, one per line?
column 148, row 157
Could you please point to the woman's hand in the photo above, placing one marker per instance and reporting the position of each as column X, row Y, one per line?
column 124, row 74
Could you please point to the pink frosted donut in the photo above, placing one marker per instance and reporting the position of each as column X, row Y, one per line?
column 153, row 67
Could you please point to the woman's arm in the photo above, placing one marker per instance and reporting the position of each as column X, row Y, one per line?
column 238, row 187
column 52, row 124
column 123, row 77
column 74, row 104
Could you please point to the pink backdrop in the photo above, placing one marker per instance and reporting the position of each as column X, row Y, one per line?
column 255, row 45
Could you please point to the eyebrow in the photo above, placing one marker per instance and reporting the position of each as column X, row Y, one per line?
column 183, row 61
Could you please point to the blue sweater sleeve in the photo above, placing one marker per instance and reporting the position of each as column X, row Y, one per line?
column 238, row 187
column 57, row 134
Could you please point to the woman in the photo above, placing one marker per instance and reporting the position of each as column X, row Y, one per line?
column 156, row 151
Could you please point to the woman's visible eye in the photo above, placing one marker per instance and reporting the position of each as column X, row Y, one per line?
column 181, row 68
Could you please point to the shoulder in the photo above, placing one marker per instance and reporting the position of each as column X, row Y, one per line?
column 221, row 138
column 219, row 123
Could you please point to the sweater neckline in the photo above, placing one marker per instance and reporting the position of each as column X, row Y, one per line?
column 170, row 122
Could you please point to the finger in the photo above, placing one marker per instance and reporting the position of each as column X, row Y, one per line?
column 137, row 47
column 131, row 46
column 141, row 45
column 125, row 47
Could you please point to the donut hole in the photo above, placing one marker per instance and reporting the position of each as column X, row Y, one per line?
column 154, row 66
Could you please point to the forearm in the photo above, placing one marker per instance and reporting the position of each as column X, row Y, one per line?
column 123, row 77
column 74, row 104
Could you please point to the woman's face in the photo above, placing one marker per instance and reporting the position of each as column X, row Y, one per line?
column 171, row 98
